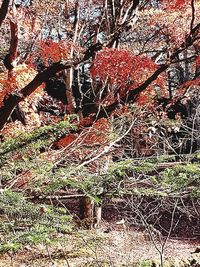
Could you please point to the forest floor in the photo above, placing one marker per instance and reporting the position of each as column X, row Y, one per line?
column 111, row 245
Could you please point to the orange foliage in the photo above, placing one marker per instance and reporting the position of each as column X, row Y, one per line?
column 55, row 51
column 173, row 23
column 146, row 97
column 65, row 141
column 21, row 76
column 195, row 84
column 97, row 134
column 7, row 85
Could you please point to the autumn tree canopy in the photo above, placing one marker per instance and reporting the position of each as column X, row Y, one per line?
column 106, row 53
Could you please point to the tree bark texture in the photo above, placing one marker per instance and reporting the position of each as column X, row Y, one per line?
column 4, row 10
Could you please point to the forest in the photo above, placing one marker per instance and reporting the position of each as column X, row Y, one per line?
column 100, row 133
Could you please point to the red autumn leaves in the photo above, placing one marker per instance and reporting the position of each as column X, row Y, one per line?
column 120, row 70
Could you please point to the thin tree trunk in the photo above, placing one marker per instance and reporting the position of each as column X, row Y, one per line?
column 71, row 105
column 69, row 73
column 98, row 216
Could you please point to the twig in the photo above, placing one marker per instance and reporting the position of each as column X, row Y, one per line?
column 62, row 197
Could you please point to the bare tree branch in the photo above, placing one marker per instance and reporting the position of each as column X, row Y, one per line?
column 14, row 99
column 10, row 58
column 193, row 15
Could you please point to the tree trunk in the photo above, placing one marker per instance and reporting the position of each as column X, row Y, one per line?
column 71, row 105
column 86, row 208
column 4, row 10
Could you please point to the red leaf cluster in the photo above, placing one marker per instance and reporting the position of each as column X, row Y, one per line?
column 65, row 141
column 120, row 68
column 122, row 71
column 175, row 4
column 54, row 51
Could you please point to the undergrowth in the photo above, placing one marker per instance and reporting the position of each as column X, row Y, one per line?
column 22, row 222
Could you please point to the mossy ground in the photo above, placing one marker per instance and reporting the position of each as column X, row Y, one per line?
column 118, row 248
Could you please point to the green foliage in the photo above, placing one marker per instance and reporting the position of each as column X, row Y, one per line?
column 181, row 176
column 10, row 246
column 144, row 167
column 22, row 154
column 22, row 222
column 118, row 176
column 165, row 158
column 145, row 264
column 120, row 168
column 36, row 237
column 34, row 141
column 88, row 183
column 16, row 207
